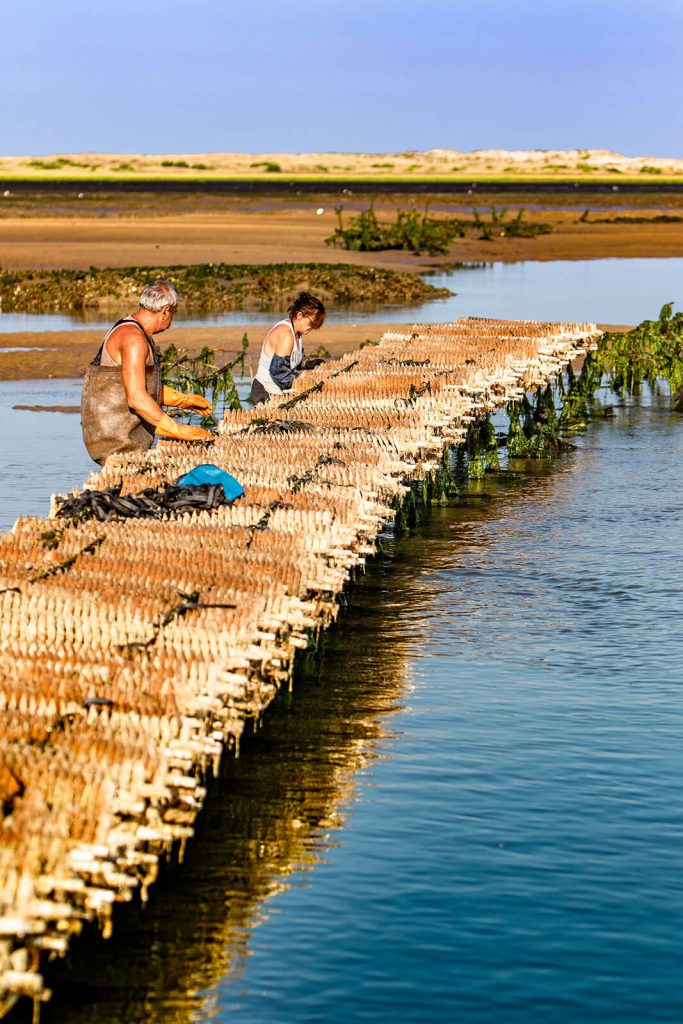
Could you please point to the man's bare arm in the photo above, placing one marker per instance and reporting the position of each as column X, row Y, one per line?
column 133, row 350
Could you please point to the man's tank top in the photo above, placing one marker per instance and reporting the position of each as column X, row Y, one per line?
column 106, row 359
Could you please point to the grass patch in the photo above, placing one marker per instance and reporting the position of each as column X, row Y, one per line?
column 269, row 166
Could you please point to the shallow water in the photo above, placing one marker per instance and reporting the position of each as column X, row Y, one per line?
column 43, row 452
column 471, row 806
column 616, row 291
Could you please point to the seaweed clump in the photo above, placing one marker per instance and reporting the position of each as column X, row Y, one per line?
column 198, row 374
column 652, row 351
column 418, row 232
column 210, row 287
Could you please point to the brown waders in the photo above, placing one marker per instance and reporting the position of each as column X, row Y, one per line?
column 109, row 424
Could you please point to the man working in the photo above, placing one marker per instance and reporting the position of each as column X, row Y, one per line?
column 122, row 390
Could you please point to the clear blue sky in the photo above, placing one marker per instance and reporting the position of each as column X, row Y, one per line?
column 349, row 75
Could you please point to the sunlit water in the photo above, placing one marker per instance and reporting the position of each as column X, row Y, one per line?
column 617, row 291
column 471, row 806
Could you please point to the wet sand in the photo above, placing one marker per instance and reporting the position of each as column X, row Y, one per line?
column 239, row 234
column 45, row 232
column 65, row 354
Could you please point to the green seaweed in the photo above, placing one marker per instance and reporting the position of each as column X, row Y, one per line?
column 652, row 351
column 198, row 375
column 210, row 287
column 481, row 445
column 418, row 232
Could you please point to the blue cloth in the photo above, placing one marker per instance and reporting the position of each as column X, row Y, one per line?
column 282, row 373
column 210, row 474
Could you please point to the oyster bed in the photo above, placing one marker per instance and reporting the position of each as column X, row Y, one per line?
column 135, row 652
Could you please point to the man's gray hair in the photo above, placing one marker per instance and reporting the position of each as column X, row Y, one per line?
column 159, row 294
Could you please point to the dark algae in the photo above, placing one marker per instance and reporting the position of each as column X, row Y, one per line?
column 210, row 287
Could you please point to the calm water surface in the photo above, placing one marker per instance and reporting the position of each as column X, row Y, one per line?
column 616, row 291
column 471, row 806
column 43, row 452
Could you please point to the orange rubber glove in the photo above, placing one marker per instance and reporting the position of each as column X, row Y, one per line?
column 166, row 427
column 197, row 403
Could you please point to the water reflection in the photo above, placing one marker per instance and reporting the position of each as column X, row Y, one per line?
column 469, row 808
column 277, row 811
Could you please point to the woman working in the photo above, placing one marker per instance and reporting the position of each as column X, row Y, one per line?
column 282, row 353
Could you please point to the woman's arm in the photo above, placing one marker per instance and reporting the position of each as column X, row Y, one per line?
column 280, row 341
column 281, row 344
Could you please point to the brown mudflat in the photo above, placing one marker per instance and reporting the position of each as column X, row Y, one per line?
column 49, row 232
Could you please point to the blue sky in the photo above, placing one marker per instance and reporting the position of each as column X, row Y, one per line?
column 347, row 75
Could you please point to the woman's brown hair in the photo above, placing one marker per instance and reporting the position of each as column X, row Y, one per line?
column 308, row 305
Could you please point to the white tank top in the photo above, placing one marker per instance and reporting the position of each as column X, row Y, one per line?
column 263, row 372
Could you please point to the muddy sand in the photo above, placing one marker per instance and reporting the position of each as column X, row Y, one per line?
column 44, row 233
column 239, row 233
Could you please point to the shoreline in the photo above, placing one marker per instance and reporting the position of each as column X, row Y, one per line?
column 107, row 230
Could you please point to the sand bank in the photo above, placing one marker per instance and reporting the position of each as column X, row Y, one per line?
column 240, row 233
column 451, row 163
column 65, row 354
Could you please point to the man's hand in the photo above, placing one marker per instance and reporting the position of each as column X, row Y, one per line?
column 196, row 403
column 166, row 427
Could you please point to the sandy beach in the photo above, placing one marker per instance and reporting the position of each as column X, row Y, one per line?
column 65, row 354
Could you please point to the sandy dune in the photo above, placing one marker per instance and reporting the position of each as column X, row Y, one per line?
column 438, row 162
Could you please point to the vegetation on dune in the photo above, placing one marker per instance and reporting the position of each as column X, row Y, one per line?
column 210, row 287
column 269, row 166
column 418, row 232
column 59, row 163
